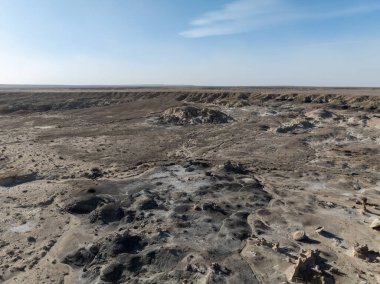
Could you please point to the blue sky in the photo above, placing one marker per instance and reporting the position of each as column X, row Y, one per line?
column 199, row 42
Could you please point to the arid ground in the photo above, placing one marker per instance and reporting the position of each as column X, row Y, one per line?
column 189, row 185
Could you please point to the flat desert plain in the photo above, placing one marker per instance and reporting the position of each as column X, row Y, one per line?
column 189, row 185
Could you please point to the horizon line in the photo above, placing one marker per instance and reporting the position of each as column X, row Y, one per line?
column 90, row 86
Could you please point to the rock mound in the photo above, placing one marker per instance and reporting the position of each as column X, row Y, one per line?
column 320, row 114
column 122, row 243
column 193, row 115
column 363, row 252
column 309, row 268
column 105, row 249
column 296, row 127
column 80, row 257
column 87, row 205
column 107, row 214
column 112, row 272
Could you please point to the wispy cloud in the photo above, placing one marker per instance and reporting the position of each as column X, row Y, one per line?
column 247, row 15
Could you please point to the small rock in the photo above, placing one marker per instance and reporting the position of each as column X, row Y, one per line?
column 3, row 243
column 360, row 251
column 95, row 173
column 319, row 229
column 364, row 203
column 276, row 247
column 299, row 236
column 375, row 224
column 31, row 239
column 197, row 207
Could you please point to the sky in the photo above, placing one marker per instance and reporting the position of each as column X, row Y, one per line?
column 190, row 42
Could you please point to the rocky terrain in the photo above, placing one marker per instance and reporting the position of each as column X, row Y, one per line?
column 189, row 185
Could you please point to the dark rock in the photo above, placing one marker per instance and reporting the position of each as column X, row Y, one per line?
column 260, row 227
column 3, row 243
column 236, row 226
column 148, row 204
column 87, row 205
column 112, row 272
column 94, row 174
column 31, row 239
column 129, row 216
column 79, row 258
column 107, row 213
column 212, row 207
column 303, row 125
column 198, row 164
column 162, row 258
column 125, row 243
column 91, row 190
column 12, row 180
column 134, row 264
column 263, row 127
column 235, row 168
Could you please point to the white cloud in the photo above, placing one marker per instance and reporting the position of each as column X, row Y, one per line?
column 238, row 16
column 247, row 15
column 237, row 10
